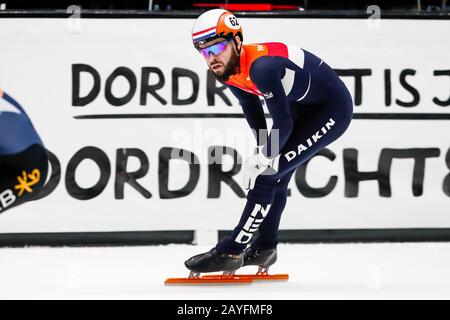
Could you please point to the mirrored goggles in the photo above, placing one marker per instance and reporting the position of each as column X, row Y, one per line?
column 215, row 48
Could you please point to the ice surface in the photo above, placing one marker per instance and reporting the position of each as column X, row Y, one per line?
column 317, row 271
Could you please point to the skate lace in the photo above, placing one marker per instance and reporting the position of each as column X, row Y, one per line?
column 252, row 254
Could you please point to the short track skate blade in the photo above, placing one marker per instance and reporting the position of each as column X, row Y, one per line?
column 255, row 277
column 212, row 279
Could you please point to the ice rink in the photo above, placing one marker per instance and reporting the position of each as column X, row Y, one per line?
column 317, row 271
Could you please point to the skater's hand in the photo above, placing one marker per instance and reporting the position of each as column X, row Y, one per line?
column 253, row 167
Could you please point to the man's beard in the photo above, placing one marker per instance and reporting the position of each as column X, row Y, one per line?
column 233, row 67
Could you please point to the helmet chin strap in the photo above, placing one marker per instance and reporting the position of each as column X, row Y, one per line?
column 238, row 52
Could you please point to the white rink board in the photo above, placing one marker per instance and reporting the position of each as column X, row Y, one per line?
column 36, row 59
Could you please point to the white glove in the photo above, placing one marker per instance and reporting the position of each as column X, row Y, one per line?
column 253, row 167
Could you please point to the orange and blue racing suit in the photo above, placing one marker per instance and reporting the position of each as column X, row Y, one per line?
column 310, row 107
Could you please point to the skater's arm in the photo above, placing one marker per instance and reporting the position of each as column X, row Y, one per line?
column 253, row 112
column 266, row 72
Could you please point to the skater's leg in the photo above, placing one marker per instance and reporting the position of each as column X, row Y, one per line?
column 268, row 231
column 262, row 251
column 251, row 218
column 260, row 215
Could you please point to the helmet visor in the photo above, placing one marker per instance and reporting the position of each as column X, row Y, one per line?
column 215, row 49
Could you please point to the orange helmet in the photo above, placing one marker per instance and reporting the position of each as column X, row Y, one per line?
column 213, row 24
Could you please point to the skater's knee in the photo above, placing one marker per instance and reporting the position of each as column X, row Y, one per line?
column 263, row 192
column 280, row 190
column 282, row 186
column 266, row 186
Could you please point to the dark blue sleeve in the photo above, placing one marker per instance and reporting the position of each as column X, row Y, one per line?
column 16, row 130
column 266, row 72
column 253, row 112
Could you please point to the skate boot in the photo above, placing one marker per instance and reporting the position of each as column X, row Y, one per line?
column 263, row 258
column 212, row 261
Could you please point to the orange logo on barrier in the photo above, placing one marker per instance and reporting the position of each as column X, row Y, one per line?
column 27, row 180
